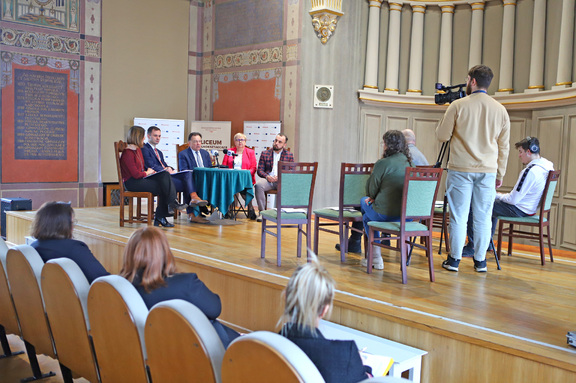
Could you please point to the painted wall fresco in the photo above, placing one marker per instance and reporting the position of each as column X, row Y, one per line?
column 49, row 97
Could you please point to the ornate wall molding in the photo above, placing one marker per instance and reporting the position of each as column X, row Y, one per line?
column 246, row 58
column 325, row 15
column 39, row 41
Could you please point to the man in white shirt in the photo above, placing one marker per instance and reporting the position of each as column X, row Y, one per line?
column 525, row 197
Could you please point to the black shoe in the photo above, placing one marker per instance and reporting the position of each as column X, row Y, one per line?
column 252, row 214
column 229, row 215
column 480, row 266
column 162, row 222
column 175, row 205
column 451, row 264
column 353, row 246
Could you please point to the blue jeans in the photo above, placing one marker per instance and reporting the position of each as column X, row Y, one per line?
column 369, row 214
column 500, row 209
column 470, row 191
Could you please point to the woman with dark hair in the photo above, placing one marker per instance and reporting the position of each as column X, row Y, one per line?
column 384, row 188
column 308, row 298
column 134, row 175
column 149, row 265
column 52, row 228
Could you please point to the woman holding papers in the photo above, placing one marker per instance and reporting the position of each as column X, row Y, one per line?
column 309, row 296
column 242, row 157
column 384, row 188
column 138, row 178
column 149, row 265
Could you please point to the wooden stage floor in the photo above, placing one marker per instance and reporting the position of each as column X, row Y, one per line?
column 509, row 324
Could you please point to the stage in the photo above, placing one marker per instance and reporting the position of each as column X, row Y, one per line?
column 508, row 325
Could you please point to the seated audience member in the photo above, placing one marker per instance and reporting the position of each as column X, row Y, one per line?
column 190, row 159
column 418, row 158
column 149, row 265
column 384, row 188
column 244, row 159
column 183, row 181
column 525, row 197
column 308, row 298
column 268, row 170
column 134, row 172
column 52, row 228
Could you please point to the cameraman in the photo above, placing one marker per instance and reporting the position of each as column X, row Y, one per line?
column 478, row 128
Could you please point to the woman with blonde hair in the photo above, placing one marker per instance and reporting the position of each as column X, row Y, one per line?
column 52, row 228
column 308, row 298
column 242, row 157
column 135, row 177
column 149, row 265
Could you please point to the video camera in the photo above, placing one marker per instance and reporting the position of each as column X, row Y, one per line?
column 449, row 96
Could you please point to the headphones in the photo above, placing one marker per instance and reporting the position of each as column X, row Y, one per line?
column 532, row 145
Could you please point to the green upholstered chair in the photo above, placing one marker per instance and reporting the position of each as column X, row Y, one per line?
column 295, row 191
column 352, row 188
column 417, row 214
column 539, row 221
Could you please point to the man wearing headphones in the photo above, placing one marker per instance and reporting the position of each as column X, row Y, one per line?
column 524, row 198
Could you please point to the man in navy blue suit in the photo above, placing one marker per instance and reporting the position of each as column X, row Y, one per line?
column 194, row 157
column 153, row 158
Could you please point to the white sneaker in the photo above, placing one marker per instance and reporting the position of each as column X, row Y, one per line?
column 259, row 218
column 377, row 263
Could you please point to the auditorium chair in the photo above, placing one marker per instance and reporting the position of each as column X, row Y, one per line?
column 117, row 316
column 263, row 357
column 65, row 292
column 182, row 344
column 295, row 191
column 24, row 267
column 8, row 317
column 352, row 188
column 119, row 147
column 416, row 216
column 539, row 221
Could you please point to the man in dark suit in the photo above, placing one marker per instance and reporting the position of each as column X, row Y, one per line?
column 183, row 182
column 192, row 158
column 268, row 170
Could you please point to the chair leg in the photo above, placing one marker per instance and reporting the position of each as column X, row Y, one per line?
column 150, row 210
column 430, row 256
column 343, row 236
column 308, row 240
column 510, row 238
column 263, row 239
column 542, row 253
column 370, row 250
column 34, row 365
column 279, row 244
column 316, row 230
column 121, row 211
column 299, row 246
column 131, row 210
column 66, row 374
column 500, row 233
column 6, row 345
column 549, row 243
column 403, row 258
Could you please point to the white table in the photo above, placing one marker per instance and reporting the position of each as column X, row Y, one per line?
column 406, row 358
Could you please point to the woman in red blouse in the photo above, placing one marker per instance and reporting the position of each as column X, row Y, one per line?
column 160, row 184
column 244, row 159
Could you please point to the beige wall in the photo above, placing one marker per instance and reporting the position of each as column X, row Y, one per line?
column 144, row 67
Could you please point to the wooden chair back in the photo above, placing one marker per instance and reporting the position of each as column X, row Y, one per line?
column 8, row 316
column 296, row 182
column 24, row 267
column 182, row 344
column 117, row 317
column 65, row 291
column 180, row 149
column 264, row 356
column 119, row 147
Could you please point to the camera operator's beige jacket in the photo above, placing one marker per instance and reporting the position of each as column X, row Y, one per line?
column 478, row 128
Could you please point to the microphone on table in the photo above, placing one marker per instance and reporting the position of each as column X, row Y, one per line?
column 215, row 153
column 229, row 153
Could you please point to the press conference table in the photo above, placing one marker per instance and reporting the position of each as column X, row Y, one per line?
column 218, row 186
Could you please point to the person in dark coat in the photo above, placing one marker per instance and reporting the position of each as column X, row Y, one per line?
column 52, row 228
column 149, row 265
column 309, row 296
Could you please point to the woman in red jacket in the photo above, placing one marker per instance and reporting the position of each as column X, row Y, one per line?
column 134, row 173
column 244, row 158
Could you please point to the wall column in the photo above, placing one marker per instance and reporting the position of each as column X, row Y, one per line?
column 564, row 73
column 416, row 47
column 371, row 76
column 393, row 54
column 536, row 82
column 445, row 60
column 507, row 48
column 476, row 32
